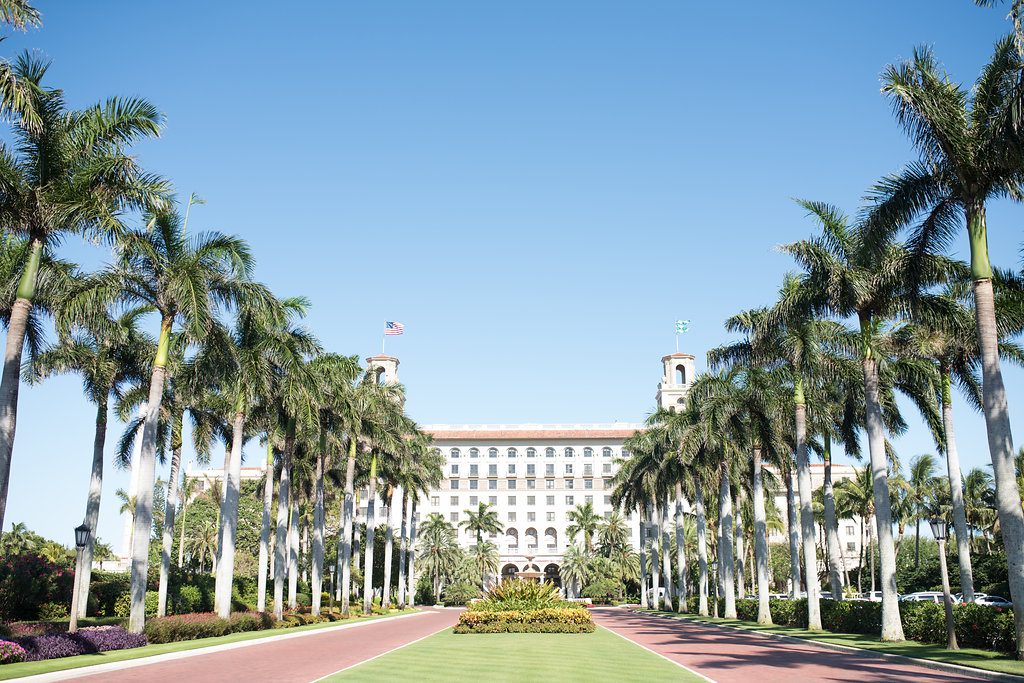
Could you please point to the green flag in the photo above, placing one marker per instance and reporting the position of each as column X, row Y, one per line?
column 682, row 326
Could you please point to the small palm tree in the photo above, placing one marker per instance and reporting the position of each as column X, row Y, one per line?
column 920, row 485
column 584, row 521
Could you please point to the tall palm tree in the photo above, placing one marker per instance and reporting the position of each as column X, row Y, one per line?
column 439, row 553
column 970, row 152
column 185, row 494
column 185, row 280
column 205, row 542
column 920, row 484
column 584, row 521
column 483, row 520
column 861, row 271
column 67, row 172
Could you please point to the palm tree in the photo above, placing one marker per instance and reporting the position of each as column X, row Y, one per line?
column 184, row 280
column 970, row 152
column 575, row 569
column 185, row 493
column 613, row 533
column 439, row 553
column 485, row 559
column 979, row 501
column 483, row 520
column 108, row 354
column 584, row 521
column 205, row 542
column 919, row 487
column 127, row 507
column 67, row 173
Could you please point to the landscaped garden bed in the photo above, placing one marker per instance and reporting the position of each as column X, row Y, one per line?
column 521, row 606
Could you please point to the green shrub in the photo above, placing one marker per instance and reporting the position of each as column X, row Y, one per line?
column 601, row 591
column 521, row 595
column 53, row 611
column 425, row 591
column 152, row 603
column 123, row 606
column 459, row 593
column 558, row 620
column 303, row 599
column 28, row 581
column 189, row 599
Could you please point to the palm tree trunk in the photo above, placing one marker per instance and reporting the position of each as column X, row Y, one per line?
column 702, row 550
column 411, row 588
column 268, row 499
column 346, row 528
column 871, row 549
column 793, row 531
column 357, row 543
column 680, row 550
column 402, row 551
column 655, row 535
column 644, row 600
column 92, row 505
column 371, row 497
column 831, row 524
column 389, row 547
column 803, row 469
column 892, row 627
column 169, row 510
column 917, row 536
column 144, row 497
column 725, row 559
column 16, row 328
column 738, row 557
column 666, row 557
column 181, row 536
column 764, row 615
column 293, row 553
column 957, row 492
column 304, row 549
column 317, row 570
column 997, row 420
column 281, row 534
column 133, row 485
column 860, row 566
column 229, row 517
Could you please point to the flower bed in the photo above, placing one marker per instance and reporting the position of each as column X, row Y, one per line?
column 11, row 653
column 204, row 625
column 86, row 641
column 554, row 620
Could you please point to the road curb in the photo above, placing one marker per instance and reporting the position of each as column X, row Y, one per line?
column 861, row 652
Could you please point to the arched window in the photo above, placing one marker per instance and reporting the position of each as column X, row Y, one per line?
column 511, row 452
column 551, row 538
column 531, row 452
column 680, row 374
column 474, row 453
column 588, row 452
column 549, row 452
column 531, row 538
column 569, row 452
column 454, row 453
column 606, row 452
column 492, row 452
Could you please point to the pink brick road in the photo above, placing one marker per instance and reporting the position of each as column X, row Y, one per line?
column 301, row 659
column 728, row 656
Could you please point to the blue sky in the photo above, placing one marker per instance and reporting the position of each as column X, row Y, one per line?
column 537, row 190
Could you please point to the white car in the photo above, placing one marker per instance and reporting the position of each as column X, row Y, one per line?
column 993, row 601
column 923, row 596
column 873, row 596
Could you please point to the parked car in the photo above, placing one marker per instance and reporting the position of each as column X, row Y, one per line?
column 923, row 596
column 873, row 596
column 993, row 601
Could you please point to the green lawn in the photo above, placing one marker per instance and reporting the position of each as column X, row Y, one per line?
column 980, row 659
column 517, row 657
column 31, row 668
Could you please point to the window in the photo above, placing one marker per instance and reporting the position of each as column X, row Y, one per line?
column 492, row 452
column 607, row 469
column 588, row 483
column 474, row 484
column 850, row 530
column 549, row 452
column 608, row 514
column 607, row 483
column 454, row 453
column 435, row 500
column 492, row 500
column 550, row 500
column 606, row 452
column 531, row 470
column 607, row 500
column 568, row 500
column 568, row 468
column 549, row 469
column 474, row 453
column 455, row 501
column 511, row 500
column 588, row 499
column 570, row 483
column 551, row 516
column 588, row 470
column 531, row 452
column 851, row 546
column 588, row 452
column 531, row 516
column 569, row 452
column 473, row 501
column 455, row 469
column 492, row 470
column 492, row 484
column 511, row 516
column 453, row 484
column 531, row 500
column 531, row 483
column 474, row 470
column 511, row 453
column 511, row 468
column 624, row 453
column 549, row 484
column 511, row 484
column 455, row 517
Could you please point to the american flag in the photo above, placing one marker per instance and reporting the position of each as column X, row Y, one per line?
column 394, row 328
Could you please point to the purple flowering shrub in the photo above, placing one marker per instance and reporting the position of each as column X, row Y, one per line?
column 28, row 581
column 177, row 627
column 11, row 652
column 86, row 641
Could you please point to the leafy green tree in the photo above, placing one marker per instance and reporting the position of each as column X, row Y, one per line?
column 584, row 521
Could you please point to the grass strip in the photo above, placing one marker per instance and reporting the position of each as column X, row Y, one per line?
column 970, row 657
column 517, row 657
column 20, row 669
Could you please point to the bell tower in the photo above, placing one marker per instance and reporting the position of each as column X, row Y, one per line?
column 384, row 368
column 677, row 378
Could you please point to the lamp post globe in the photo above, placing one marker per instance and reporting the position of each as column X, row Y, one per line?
column 81, row 540
column 938, row 525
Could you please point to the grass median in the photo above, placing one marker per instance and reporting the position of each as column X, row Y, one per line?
column 516, row 657
column 9, row 671
column 970, row 657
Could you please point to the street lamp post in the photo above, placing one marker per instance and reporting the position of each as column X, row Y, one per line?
column 714, row 586
column 332, row 568
column 81, row 540
column 939, row 532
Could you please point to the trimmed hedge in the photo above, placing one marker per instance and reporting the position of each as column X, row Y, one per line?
column 556, row 620
column 204, row 625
